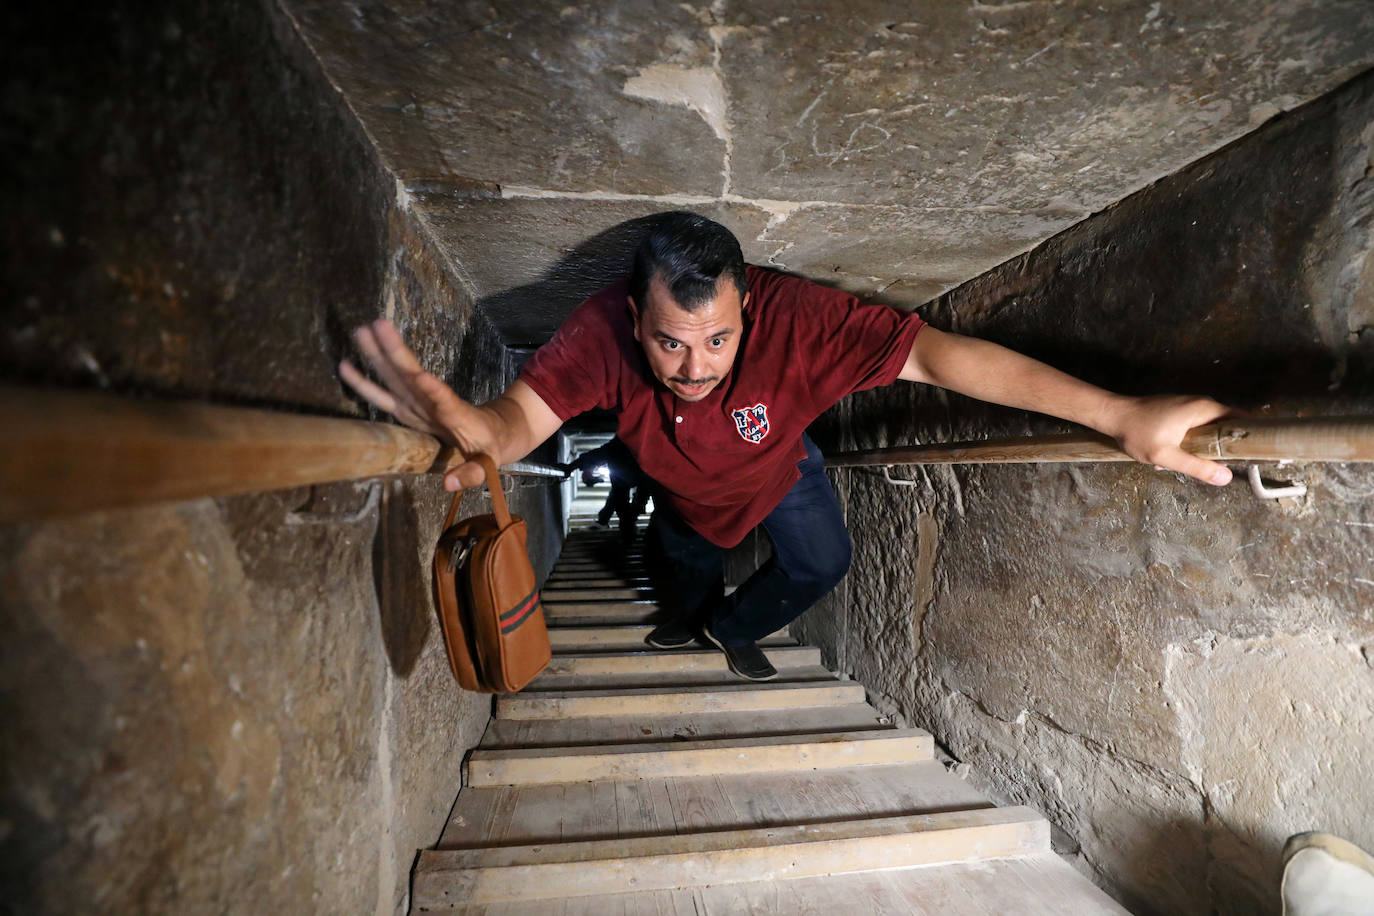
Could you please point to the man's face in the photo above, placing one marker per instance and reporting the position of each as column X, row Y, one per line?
column 690, row 352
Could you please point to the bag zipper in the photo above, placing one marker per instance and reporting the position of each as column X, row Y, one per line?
column 458, row 553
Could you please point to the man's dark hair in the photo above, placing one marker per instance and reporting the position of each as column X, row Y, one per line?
column 690, row 254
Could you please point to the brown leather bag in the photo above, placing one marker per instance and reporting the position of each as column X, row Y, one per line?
column 488, row 605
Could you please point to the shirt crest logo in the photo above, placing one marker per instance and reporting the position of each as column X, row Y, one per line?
column 752, row 422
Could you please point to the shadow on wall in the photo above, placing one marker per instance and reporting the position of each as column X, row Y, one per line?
column 401, row 579
column 1175, row 857
column 400, row 569
column 1169, row 861
column 592, row 265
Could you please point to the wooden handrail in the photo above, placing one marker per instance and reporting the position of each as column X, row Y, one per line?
column 64, row 452
column 1316, row 439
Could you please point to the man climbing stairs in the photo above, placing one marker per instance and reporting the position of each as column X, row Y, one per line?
column 626, row 780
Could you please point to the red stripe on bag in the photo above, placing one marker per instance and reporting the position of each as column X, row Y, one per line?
column 513, row 618
column 520, row 606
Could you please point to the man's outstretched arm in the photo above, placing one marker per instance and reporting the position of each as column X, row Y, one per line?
column 507, row 427
column 1148, row 429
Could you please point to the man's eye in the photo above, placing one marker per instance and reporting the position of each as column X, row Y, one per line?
column 717, row 341
column 671, row 344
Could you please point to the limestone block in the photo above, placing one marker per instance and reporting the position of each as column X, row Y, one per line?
column 1140, row 825
column 185, row 727
column 1279, row 731
column 900, row 253
column 1066, row 109
column 550, row 95
column 531, row 260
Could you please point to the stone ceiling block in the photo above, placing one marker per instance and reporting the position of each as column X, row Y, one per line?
column 551, row 95
column 903, row 256
column 530, row 261
column 1028, row 105
column 894, row 150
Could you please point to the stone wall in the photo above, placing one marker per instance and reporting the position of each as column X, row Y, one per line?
column 1179, row 676
column 235, row 705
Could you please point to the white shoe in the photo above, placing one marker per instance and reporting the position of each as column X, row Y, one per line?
column 1324, row 875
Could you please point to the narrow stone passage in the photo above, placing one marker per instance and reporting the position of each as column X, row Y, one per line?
column 628, row 780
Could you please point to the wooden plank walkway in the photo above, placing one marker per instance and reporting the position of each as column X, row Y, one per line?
column 627, row 780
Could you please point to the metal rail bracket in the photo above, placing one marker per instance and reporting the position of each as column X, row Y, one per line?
column 1258, row 487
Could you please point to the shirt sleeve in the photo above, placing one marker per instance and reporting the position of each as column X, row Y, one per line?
column 847, row 345
column 571, row 372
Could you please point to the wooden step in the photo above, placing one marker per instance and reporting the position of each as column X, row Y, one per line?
column 654, row 806
column 565, row 593
column 613, row 542
column 609, row 605
column 607, row 555
column 598, row 571
column 550, row 871
column 597, row 580
column 1041, row 884
column 657, row 661
column 583, row 578
column 616, row 565
column 1036, row 885
column 602, row 613
column 724, row 756
column 675, row 726
column 594, row 536
column 590, row 562
column 609, row 539
column 595, row 571
column 650, row 701
column 705, row 676
column 617, row 638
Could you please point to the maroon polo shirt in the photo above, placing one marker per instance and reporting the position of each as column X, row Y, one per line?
column 727, row 460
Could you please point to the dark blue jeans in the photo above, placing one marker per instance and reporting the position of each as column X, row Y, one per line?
column 811, row 551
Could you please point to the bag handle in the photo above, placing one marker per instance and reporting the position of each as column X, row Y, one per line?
column 498, row 496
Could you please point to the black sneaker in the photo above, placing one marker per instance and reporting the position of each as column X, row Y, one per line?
column 672, row 634
column 747, row 661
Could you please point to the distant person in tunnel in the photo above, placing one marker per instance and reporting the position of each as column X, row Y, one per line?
column 714, row 369
column 630, row 489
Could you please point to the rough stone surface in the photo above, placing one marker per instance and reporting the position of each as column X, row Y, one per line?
column 1114, row 807
column 242, row 705
column 548, row 243
column 1277, row 727
column 128, row 261
column 465, row 90
column 1024, row 107
column 1179, row 675
column 896, row 152
column 239, row 705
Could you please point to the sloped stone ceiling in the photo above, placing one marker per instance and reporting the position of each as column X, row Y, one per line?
column 892, row 149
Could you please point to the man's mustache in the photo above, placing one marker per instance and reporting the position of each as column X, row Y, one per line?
column 692, row 381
